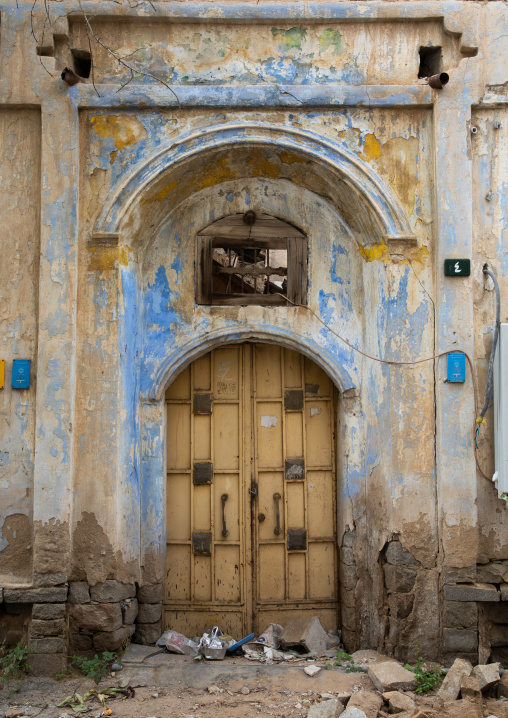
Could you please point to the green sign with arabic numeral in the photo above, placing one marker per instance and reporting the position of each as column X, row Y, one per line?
column 457, row 267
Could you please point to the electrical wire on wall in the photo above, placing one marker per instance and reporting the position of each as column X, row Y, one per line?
column 392, row 362
column 489, row 391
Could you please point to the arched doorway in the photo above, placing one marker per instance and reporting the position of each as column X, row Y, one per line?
column 251, row 492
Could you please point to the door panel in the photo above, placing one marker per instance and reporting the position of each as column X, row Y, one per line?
column 251, row 525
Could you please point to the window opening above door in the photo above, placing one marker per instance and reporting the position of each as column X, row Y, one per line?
column 251, row 259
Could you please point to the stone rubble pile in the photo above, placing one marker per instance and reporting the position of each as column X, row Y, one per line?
column 466, row 692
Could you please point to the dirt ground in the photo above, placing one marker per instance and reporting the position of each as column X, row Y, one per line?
column 182, row 690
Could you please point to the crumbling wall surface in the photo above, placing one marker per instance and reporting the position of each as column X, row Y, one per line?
column 20, row 137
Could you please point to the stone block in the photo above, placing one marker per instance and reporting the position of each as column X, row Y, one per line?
column 327, row 709
column 450, row 687
column 148, row 633
column 48, row 645
column 79, row 592
column 35, row 595
column 460, row 614
column 347, row 597
column 397, row 556
column 130, row 611
column 352, row 712
column 150, row 594
column 349, row 539
column 112, row 591
column 348, row 577
column 466, row 574
column 400, row 702
column 41, row 629
column 498, row 635
column 347, row 556
column 450, row 658
column 149, row 612
column 81, row 642
column 306, row 632
column 504, row 591
column 366, row 701
column 498, row 613
column 47, row 664
column 492, row 573
column 487, row 675
column 312, row 670
column 111, row 640
column 471, row 592
column 96, row 616
column 455, row 639
column 391, row 676
column 399, row 579
column 48, row 611
column 470, row 688
column 400, row 604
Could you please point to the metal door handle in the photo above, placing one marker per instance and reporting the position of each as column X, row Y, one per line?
column 223, row 499
column 277, row 513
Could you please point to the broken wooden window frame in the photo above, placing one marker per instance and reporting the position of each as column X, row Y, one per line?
column 268, row 233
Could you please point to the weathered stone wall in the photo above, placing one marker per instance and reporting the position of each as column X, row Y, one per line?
column 20, row 168
column 318, row 118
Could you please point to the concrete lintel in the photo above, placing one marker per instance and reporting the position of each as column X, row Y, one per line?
column 267, row 11
column 262, row 95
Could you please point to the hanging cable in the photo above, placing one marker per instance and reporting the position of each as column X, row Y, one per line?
column 408, row 363
column 489, row 390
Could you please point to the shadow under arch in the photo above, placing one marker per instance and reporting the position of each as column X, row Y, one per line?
column 204, row 343
column 344, row 165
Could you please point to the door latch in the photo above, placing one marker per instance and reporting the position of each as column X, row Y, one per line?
column 253, row 491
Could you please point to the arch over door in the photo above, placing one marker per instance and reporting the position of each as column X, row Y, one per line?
column 251, row 492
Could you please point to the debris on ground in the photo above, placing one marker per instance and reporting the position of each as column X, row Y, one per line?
column 307, row 634
column 366, row 684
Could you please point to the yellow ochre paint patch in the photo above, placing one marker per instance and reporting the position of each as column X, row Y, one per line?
column 213, row 173
column 104, row 258
column 124, row 130
column 380, row 251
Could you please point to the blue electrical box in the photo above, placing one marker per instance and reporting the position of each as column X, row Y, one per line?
column 21, row 373
column 456, row 367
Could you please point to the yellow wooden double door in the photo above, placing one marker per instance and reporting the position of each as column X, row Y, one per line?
column 251, row 492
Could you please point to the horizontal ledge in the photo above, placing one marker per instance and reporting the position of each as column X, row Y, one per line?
column 243, row 12
column 394, row 241
column 153, row 95
column 104, row 239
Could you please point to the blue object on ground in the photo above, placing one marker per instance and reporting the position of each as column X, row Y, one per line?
column 234, row 647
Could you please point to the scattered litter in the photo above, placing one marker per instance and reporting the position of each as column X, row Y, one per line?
column 214, row 690
column 177, row 643
column 211, row 646
column 271, row 636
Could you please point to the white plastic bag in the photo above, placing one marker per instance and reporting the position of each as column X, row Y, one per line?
column 178, row 643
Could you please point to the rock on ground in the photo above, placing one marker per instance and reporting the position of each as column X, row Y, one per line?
column 450, row 687
column 400, row 702
column 367, row 701
column 487, row 675
column 327, row 709
column 352, row 712
column 390, row 676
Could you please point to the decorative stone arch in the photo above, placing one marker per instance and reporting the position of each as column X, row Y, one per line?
column 346, row 166
column 203, row 344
